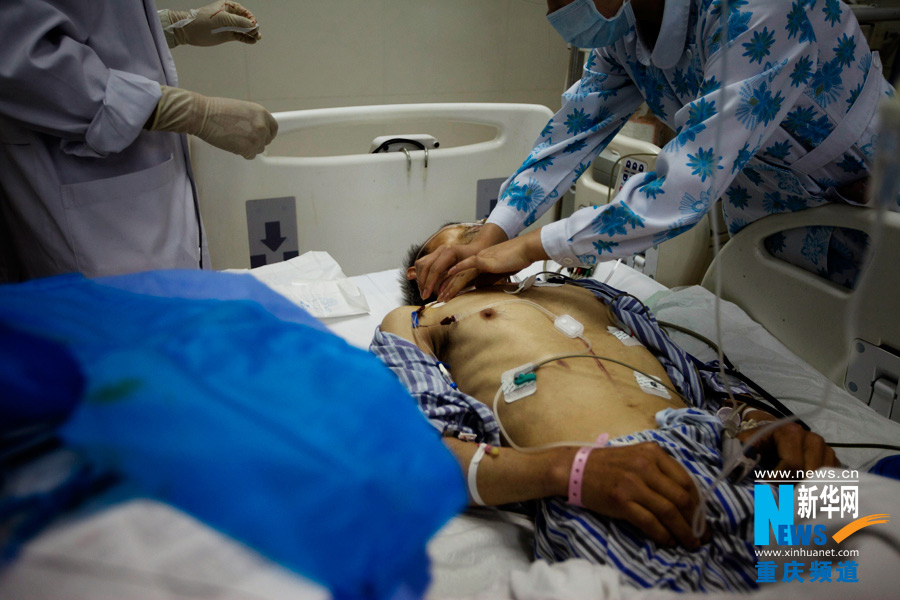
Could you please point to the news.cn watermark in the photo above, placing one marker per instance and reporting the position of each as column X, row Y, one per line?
column 792, row 530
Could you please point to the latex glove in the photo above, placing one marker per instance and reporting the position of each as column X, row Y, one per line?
column 506, row 258
column 203, row 27
column 244, row 128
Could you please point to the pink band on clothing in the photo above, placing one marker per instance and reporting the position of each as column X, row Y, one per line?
column 576, row 475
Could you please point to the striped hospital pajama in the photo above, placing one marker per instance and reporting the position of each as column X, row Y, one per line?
column 726, row 563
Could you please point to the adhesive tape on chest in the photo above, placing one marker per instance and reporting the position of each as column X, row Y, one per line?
column 651, row 386
column 624, row 337
column 518, row 383
column 523, row 285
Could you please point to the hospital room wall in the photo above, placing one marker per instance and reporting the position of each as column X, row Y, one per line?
column 324, row 53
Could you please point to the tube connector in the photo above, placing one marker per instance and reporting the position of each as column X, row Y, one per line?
column 569, row 326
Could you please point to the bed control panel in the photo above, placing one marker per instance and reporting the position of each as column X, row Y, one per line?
column 631, row 166
column 873, row 376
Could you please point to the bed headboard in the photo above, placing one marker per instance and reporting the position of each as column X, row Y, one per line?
column 364, row 209
column 804, row 311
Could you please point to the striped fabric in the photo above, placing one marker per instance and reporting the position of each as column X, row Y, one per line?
column 690, row 435
column 726, row 563
column 449, row 410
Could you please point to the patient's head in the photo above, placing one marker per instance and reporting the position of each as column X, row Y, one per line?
column 451, row 233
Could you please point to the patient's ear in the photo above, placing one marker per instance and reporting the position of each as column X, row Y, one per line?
column 411, row 273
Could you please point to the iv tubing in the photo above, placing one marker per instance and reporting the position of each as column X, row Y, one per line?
column 569, row 444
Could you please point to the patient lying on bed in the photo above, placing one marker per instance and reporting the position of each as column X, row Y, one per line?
column 638, row 495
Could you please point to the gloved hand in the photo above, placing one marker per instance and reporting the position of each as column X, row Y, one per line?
column 201, row 27
column 244, row 128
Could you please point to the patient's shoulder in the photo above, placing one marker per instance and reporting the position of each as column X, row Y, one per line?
column 399, row 322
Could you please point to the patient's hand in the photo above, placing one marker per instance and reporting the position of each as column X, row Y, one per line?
column 790, row 447
column 645, row 486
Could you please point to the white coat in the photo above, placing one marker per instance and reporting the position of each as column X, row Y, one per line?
column 83, row 187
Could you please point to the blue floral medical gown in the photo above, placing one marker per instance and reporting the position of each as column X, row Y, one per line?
column 801, row 91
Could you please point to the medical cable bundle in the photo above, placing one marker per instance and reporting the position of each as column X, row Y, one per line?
column 887, row 182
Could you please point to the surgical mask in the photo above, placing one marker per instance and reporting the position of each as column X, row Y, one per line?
column 582, row 25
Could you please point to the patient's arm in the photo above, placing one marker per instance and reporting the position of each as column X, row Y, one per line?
column 639, row 483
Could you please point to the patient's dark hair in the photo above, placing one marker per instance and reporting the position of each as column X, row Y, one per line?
column 410, row 287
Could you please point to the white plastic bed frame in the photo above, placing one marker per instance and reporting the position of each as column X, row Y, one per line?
column 806, row 312
column 363, row 209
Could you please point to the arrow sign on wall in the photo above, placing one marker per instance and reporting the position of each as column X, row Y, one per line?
column 273, row 239
column 272, row 230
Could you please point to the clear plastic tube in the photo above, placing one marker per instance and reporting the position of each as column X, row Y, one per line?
column 613, row 270
column 887, row 179
column 568, row 444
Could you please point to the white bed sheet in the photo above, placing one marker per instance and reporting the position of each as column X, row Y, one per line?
column 145, row 550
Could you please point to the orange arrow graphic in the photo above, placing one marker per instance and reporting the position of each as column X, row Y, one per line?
column 858, row 524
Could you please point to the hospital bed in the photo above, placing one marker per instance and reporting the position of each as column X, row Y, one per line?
column 487, row 553
column 142, row 549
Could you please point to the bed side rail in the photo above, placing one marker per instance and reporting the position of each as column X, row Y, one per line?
column 806, row 312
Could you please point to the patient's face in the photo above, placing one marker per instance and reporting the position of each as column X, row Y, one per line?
column 456, row 234
column 461, row 233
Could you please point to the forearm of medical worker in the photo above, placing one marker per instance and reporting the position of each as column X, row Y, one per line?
column 740, row 105
column 53, row 83
column 237, row 126
column 639, row 483
column 593, row 111
column 216, row 23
